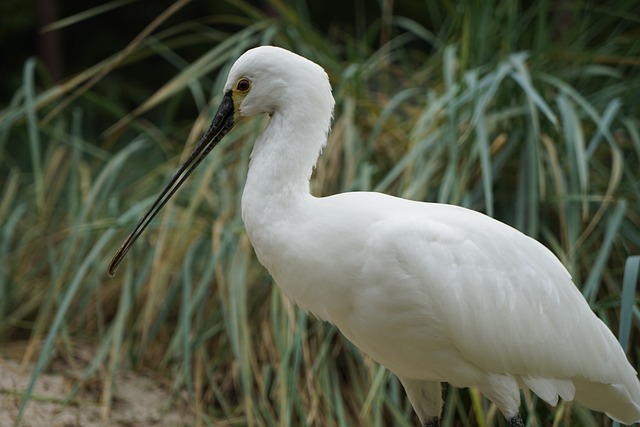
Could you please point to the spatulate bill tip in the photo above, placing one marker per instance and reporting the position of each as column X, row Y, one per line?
column 114, row 263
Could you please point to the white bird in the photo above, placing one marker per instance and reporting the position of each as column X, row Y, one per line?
column 433, row 292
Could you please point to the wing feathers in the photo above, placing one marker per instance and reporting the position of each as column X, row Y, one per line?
column 549, row 389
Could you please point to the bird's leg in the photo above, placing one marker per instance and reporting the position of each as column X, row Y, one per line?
column 432, row 422
column 516, row 421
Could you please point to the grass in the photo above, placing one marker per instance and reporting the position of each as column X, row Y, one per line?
column 485, row 110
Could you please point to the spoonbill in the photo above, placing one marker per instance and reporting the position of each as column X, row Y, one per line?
column 433, row 292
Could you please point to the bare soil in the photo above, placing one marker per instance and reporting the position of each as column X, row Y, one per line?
column 138, row 401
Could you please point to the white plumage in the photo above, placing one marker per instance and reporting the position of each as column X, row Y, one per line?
column 434, row 292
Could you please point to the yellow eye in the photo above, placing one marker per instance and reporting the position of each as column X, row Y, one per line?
column 243, row 85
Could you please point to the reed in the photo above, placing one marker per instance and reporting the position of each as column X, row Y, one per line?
column 507, row 110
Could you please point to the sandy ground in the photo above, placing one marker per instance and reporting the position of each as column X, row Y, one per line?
column 138, row 401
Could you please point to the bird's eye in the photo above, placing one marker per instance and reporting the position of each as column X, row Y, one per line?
column 243, row 85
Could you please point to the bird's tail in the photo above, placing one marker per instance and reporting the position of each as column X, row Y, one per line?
column 621, row 402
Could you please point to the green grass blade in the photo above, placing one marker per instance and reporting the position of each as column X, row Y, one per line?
column 34, row 133
column 86, row 14
column 613, row 225
column 630, row 282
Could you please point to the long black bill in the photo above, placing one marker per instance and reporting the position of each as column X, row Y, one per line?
column 220, row 126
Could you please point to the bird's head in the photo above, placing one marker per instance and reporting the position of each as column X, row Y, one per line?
column 265, row 79
column 270, row 79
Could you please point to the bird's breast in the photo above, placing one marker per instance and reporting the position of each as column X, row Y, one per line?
column 294, row 247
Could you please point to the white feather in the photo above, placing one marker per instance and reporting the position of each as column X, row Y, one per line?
column 433, row 292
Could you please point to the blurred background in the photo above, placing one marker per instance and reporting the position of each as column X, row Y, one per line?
column 526, row 111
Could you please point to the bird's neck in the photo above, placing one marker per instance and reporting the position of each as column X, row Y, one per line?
column 276, row 199
column 283, row 157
